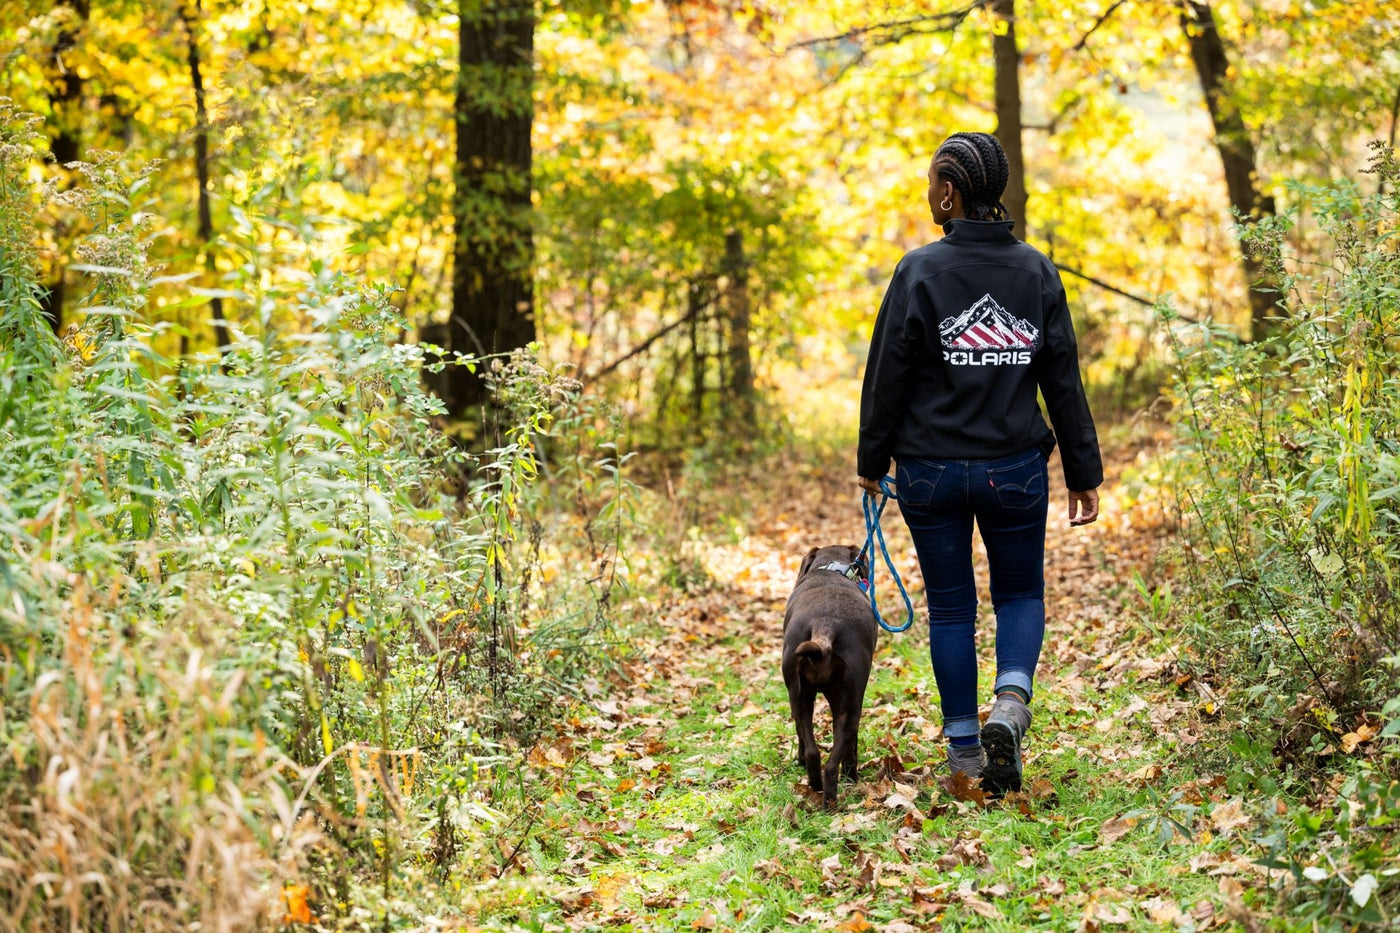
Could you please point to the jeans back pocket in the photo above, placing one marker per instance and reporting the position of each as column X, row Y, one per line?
column 916, row 481
column 1021, row 485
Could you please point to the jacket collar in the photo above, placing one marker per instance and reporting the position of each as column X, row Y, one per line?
column 966, row 232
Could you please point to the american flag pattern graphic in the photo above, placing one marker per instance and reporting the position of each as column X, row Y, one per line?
column 987, row 326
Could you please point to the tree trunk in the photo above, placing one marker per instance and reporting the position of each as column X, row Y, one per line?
column 1236, row 152
column 736, row 295
column 493, row 255
column 190, row 15
column 66, row 122
column 1007, row 58
column 698, row 362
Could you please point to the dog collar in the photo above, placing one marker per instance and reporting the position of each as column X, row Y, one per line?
column 851, row 571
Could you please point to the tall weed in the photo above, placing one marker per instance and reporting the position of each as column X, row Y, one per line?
column 1286, row 477
column 1288, row 470
column 260, row 642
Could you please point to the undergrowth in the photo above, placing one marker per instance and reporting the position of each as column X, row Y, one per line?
column 262, row 646
column 1286, row 483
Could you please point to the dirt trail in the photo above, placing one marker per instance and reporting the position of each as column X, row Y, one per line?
column 679, row 805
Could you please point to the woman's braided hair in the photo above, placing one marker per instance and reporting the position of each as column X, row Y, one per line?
column 976, row 165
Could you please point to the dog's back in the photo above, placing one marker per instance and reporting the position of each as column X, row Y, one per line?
column 829, row 638
column 827, row 621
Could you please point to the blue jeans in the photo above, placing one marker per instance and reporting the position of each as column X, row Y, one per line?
column 1008, row 498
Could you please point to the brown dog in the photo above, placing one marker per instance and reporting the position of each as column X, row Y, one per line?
column 829, row 636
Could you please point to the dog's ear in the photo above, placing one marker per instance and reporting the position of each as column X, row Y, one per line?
column 854, row 551
column 807, row 562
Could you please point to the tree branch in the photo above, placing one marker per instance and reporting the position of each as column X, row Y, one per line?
column 1105, row 286
column 896, row 31
column 646, row 345
column 1084, row 39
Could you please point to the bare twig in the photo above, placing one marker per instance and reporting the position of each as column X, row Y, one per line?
column 1106, row 287
column 1084, row 39
column 646, row 344
column 897, row 30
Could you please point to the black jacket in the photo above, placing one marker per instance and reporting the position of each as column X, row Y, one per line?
column 971, row 325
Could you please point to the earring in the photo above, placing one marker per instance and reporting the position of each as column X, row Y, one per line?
column 947, row 203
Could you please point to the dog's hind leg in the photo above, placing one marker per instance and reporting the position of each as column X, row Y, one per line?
column 845, row 720
column 850, row 762
column 809, row 754
column 845, row 727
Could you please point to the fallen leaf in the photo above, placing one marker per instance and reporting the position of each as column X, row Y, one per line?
column 750, row 709
column 1363, row 733
column 1204, row 861
column 574, row 901
column 963, row 852
column 978, row 906
column 613, row 848
column 1113, row 913
column 1114, row 829
column 898, row 926
column 1227, row 816
column 868, row 872
column 964, row 788
column 1161, row 910
column 900, row 802
column 297, row 898
column 856, row 923
column 706, row 921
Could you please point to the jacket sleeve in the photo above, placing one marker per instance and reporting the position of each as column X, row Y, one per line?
column 894, row 347
column 1057, row 374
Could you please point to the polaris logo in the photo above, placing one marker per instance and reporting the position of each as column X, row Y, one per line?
column 986, row 334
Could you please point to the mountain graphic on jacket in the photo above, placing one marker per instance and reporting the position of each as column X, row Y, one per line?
column 987, row 326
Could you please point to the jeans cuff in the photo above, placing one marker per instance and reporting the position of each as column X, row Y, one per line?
column 1012, row 679
column 962, row 727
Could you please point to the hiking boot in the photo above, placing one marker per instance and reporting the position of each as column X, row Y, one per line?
column 1001, row 738
column 967, row 759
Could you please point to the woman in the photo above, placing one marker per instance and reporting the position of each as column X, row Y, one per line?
column 970, row 327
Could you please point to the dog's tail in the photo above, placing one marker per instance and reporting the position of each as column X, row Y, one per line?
column 817, row 649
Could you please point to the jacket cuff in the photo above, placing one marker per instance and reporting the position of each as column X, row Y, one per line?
column 872, row 467
column 1083, row 479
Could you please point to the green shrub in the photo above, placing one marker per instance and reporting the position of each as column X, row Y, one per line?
column 1288, row 468
column 1286, row 481
column 255, row 630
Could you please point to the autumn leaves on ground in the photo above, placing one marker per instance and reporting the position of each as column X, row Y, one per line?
column 672, row 800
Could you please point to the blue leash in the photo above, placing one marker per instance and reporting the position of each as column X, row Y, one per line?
column 873, row 534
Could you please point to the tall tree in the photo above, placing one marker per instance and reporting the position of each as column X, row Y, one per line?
column 492, row 283
column 1236, row 148
column 65, row 125
column 190, row 16
column 736, row 300
column 1007, row 57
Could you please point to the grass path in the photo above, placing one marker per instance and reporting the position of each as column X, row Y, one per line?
column 675, row 803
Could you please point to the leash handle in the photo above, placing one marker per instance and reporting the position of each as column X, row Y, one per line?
column 873, row 533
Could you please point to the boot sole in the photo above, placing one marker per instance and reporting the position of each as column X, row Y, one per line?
column 1002, row 772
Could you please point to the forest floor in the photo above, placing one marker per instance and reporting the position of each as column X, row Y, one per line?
column 674, row 801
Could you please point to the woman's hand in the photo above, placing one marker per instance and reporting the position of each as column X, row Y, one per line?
column 1086, row 503
column 871, row 486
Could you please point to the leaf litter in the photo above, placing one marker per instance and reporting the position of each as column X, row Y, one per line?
column 658, row 804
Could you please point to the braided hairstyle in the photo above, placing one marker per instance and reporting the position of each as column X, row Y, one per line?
column 976, row 165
